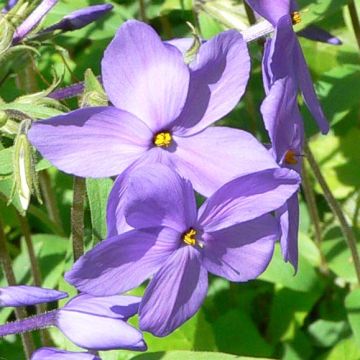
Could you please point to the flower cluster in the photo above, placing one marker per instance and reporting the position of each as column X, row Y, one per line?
column 156, row 136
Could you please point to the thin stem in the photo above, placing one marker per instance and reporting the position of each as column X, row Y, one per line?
column 355, row 20
column 49, row 198
column 142, row 7
column 336, row 209
column 77, row 217
column 250, row 14
column 314, row 214
column 20, row 313
column 35, row 271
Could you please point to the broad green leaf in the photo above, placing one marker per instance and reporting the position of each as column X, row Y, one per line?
column 98, row 191
column 325, row 333
column 282, row 273
column 352, row 304
column 344, row 350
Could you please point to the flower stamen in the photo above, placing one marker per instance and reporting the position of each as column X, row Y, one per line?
column 189, row 237
column 162, row 139
column 291, row 157
column 296, row 17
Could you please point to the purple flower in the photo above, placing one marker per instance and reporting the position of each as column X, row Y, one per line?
column 163, row 110
column 24, row 295
column 315, row 33
column 285, row 127
column 94, row 323
column 10, row 4
column 80, row 18
column 33, row 19
column 231, row 236
column 55, row 354
column 283, row 55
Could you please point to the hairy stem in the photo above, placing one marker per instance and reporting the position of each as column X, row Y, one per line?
column 355, row 20
column 314, row 214
column 336, row 209
column 77, row 217
column 20, row 313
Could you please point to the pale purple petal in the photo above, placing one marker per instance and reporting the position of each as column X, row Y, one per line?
column 144, row 76
column 91, row 142
column 115, row 218
column 217, row 155
column 280, row 114
column 175, row 293
column 24, row 295
column 94, row 331
column 158, row 196
column 289, row 221
column 247, row 198
column 123, row 262
column 271, row 10
column 308, row 91
column 316, row 33
column 46, row 353
column 182, row 44
column 9, row 5
column 218, row 79
column 241, row 252
column 116, row 307
column 33, row 19
column 80, row 18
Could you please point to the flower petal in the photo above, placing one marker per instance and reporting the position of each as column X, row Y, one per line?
column 158, row 196
column 316, row 33
column 247, row 198
column 123, row 262
column 175, row 293
column 281, row 116
column 98, row 332
column 271, row 10
column 116, row 307
column 91, row 142
column 241, row 252
column 115, row 218
column 23, row 295
column 144, row 76
column 217, row 155
column 47, row 353
column 308, row 91
column 289, row 222
column 218, row 79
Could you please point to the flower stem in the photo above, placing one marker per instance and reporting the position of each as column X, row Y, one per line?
column 49, row 198
column 355, row 20
column 314, row 214
column 20, row 313
column 336, row 209
column 142, row 7
column 31, row 323
column 77, row 217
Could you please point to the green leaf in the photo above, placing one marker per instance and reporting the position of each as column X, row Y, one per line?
column 328, row 333
column 352, row 305
column 33, row 111
column 345, row 350
column 6, row 157
column 190, row 355
column 98, row 191
column 283, row 273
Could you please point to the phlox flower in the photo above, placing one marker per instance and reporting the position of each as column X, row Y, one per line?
column 231, row 236
column 47, row 353
column 162, row 112
column 93, row 323
column 285, row 128
column 283, row 55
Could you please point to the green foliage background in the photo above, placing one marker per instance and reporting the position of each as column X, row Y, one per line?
column 314, row 314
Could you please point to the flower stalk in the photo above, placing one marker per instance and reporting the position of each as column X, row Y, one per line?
column 355, row 20
column 336, row 209
column 20, row 313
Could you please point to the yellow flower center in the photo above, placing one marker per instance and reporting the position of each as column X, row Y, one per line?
column 189, row 237
column 290, row 157
column 162, row 139
column 296, row 18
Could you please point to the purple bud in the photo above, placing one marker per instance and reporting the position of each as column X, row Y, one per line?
column 80, row 18
column 10, row 4
column 24, row 295
column 55, row 354
column 33, row 19
column 315, row 33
